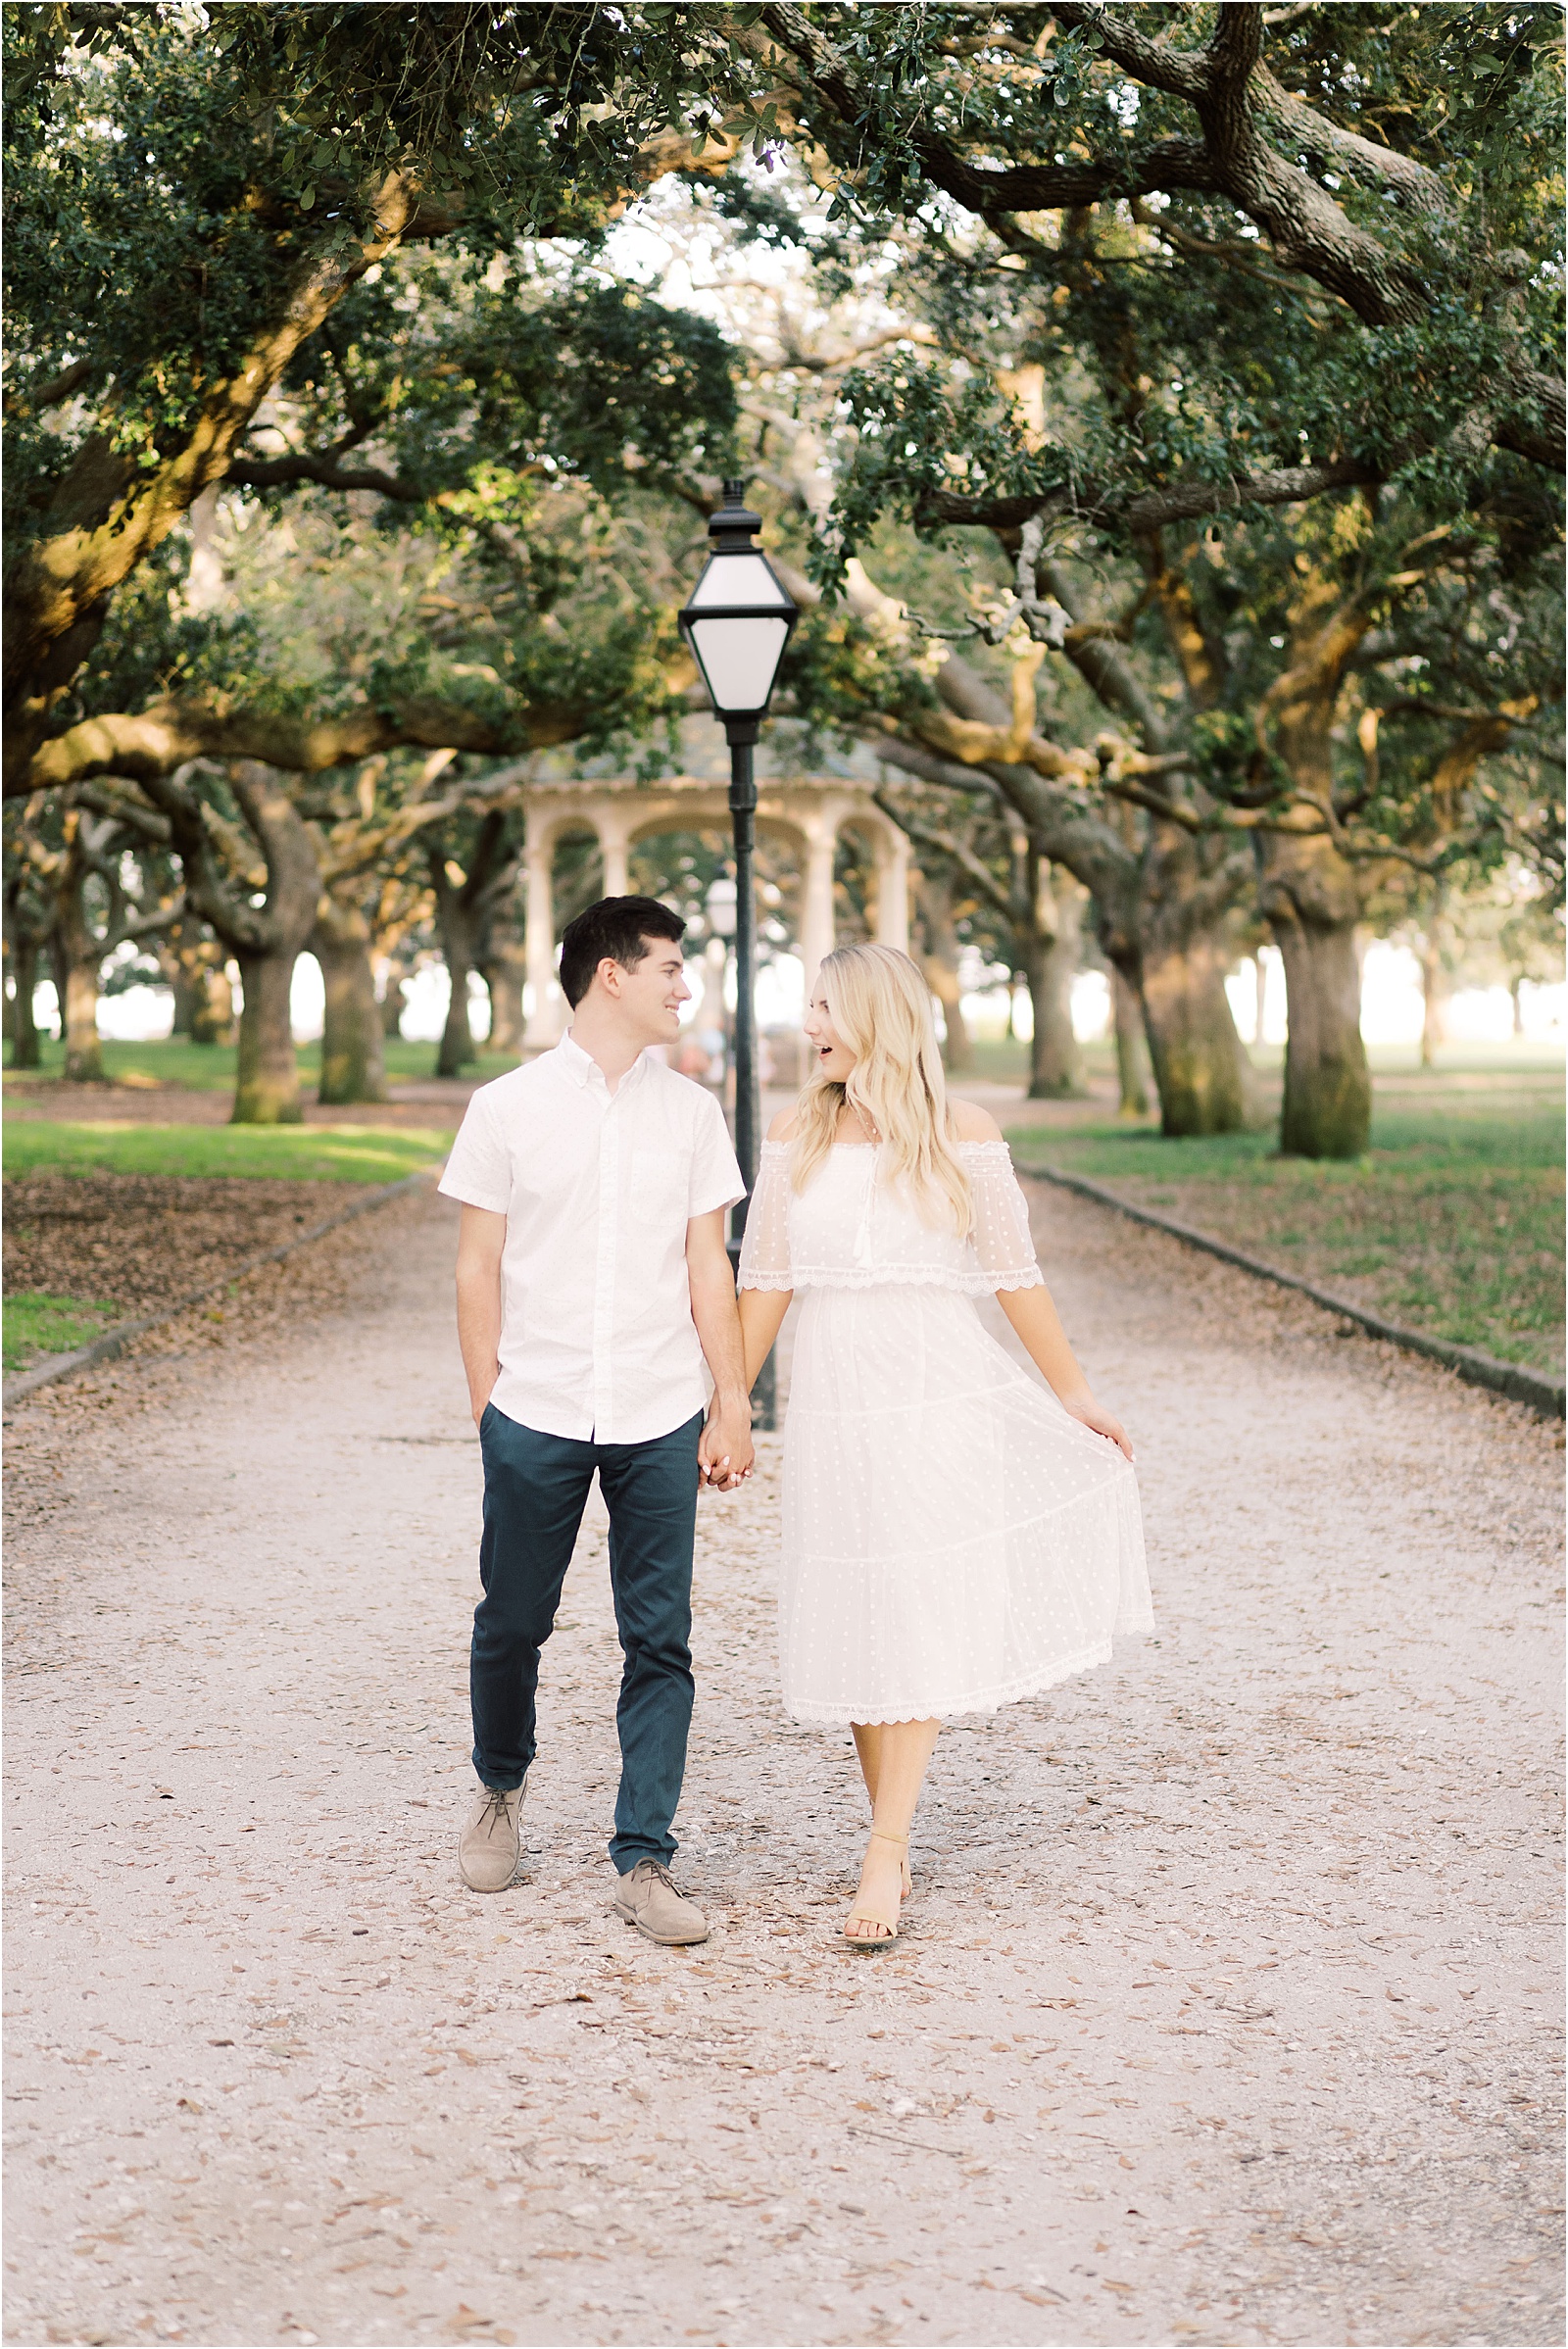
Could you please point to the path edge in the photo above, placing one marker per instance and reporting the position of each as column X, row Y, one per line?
column 115, row 1340
column 1543, row 1394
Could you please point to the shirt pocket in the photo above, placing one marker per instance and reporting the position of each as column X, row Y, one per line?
column 659, row 1186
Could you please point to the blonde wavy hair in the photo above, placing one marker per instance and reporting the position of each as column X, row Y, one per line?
column 881, row 1010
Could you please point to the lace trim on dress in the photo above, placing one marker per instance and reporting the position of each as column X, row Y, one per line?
column 975, row 1700
column 900, row 1276
column 998, row 1150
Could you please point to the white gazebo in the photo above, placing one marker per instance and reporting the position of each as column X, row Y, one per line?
column 810, row 810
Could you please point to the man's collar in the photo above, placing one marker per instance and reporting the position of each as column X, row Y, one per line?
column 582, row 1068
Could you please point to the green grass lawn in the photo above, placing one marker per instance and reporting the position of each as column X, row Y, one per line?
column 35, row 1325
column 305, row 1154
column 1451, row 1224
column 210, row 1067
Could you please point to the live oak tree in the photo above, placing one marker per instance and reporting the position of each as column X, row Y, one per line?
column 199, row 202
column 348, row 604
column 29, row 920
column 974, row 863
column 194, row 965
column 1396, row 157
column 468, row 896
column 273, row 873
column 210, row 303
column 1326, row 229
column 1161, row 902
column 1257, row 257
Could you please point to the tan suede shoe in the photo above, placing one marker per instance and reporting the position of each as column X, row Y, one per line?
column 489, row 1846
column 647, row 1899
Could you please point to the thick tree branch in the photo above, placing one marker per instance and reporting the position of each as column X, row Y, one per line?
column 52, row 391
column 125, row 807
column 212, row 894
column 282, row 473
column 1018, row 187
column 947, row 843
column 173, row 732
column 108, row 515
column 1148, row 510
column 1421, row 189
column 1253, row 131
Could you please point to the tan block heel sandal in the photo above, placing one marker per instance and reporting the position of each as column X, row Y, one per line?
column 888, row 1927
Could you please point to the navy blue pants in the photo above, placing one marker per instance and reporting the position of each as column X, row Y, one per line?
column 535, row 1491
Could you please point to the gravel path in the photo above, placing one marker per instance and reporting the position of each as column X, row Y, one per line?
column 1227, row 2008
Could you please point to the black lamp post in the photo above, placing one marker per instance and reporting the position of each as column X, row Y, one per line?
column 737, row 624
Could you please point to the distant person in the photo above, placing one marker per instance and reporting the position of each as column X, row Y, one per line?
column 955, row 1536
column 592, row 1281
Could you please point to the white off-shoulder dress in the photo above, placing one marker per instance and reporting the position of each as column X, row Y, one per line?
column 953, row 1538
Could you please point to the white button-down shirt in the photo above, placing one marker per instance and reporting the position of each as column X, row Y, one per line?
column 597, row 1338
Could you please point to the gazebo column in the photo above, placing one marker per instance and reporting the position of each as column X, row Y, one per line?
column 614, row 847
column 816, row 899
column 545, row 1015
column 892, row 890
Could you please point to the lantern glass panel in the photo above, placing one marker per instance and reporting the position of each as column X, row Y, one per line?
column 738, row 579
column 739, row 659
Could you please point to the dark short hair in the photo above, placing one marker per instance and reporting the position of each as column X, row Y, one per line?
column 618, row 927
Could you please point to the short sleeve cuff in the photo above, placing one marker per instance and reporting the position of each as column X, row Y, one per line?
column 457, row 1187
column 730, row 1196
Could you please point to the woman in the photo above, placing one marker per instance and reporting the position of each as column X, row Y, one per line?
column 954, row 1534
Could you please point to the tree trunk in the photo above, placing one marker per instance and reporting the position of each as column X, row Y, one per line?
column 1201, row 1071
column 57, row 971
column 79, row 954
column 501, row 954
column 1433, row 987
column 1311, row 897
column 85, row 1052
column 958, row 1052
column 1052, row 945
column 197, row 971
column 212, row 1019
column 458, row 923
column 266, row 1089
column 939, row 961
column 1311, row 902
column 353, row 1056
column 394, row 1003
column 184, row 991
column 1514, row 985
column 457, row 1050
column 25, row 1052
column 1132, row 1050
column 505, row 969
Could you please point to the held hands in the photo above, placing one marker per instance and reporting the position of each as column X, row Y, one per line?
column 724, row 1455
column 1100, row 1421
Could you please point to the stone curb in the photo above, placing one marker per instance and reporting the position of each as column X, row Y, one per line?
column 1543, row 1394
column 115, row 1340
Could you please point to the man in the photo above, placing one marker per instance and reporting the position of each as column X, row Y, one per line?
column 592, row 1280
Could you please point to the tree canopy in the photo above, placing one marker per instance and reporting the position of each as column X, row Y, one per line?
column 1157, row 408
